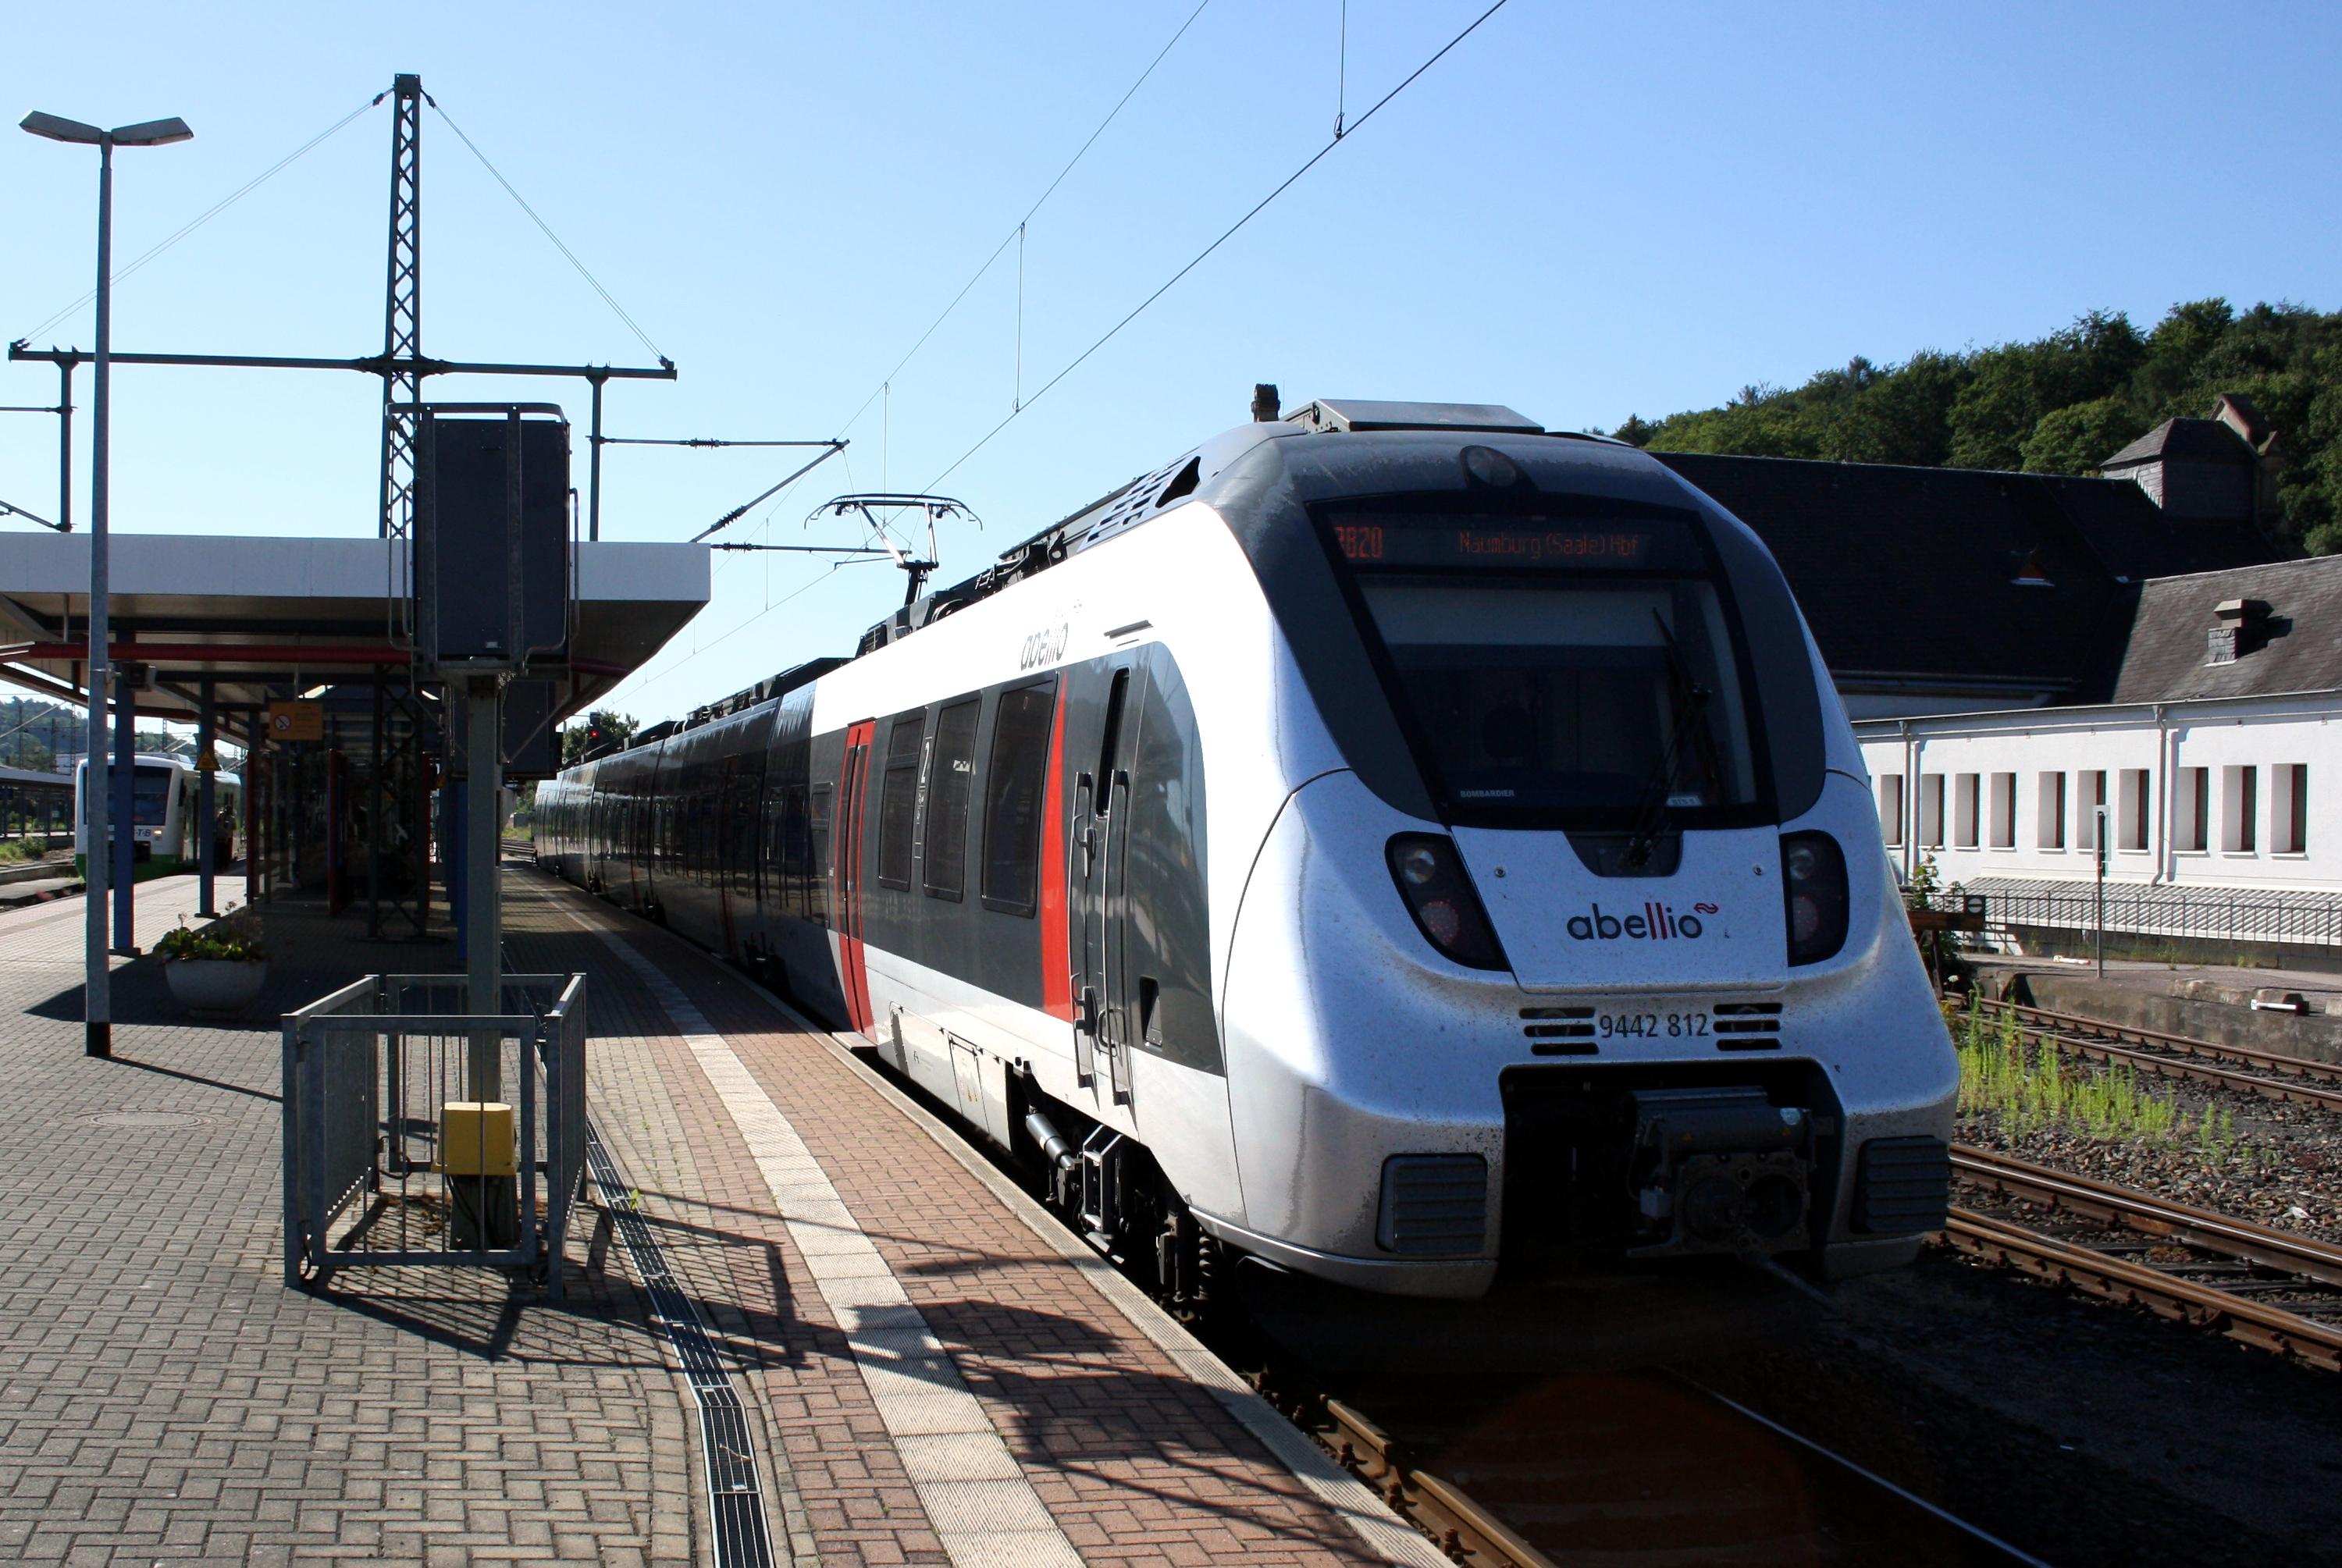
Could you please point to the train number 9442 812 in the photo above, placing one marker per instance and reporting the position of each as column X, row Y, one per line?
column 1651, row 1025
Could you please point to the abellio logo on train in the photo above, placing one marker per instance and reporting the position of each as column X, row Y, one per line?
column 1657, row 923
column 1045, row 646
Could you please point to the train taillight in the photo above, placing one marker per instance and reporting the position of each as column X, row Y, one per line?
column 1813, row 883
column 1431, row 879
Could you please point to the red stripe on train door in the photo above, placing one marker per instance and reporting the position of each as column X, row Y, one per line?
column 1057, row 871
column 853, row 975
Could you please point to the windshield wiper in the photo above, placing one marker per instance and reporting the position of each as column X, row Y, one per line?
column 1691, row 702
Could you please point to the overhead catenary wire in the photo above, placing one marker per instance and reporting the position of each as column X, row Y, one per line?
column 607, row 298
column 1229, row 232
column 721, row 638
column 1016, row 235
column 884, row 388
column 208, row 213
column 829, row 450
column 1225, row 235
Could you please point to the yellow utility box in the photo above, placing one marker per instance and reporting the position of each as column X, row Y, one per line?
column 475, row 1139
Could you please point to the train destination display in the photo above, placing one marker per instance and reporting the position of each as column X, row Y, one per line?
column 1381, row 539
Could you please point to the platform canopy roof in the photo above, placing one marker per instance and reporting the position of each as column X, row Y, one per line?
column 268, row 618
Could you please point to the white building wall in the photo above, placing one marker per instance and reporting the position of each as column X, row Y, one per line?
column 2222, row 737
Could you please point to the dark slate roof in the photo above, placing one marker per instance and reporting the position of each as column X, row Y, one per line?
column 2185, row 441
column 2300, row 649
column 2255, row 426
column 1910, row 573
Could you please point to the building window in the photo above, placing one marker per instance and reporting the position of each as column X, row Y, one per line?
column 2289, row 809
column 2240, row 810
column 898, row 800
column 2089, row 799
column 2004, row 811
column 946, row 854
column 1965, row 813
column 2050, row 811
column 1890, row 807
column 2191, row 810
column 1931, row 811
column 2130, row 811
column 1012, row 779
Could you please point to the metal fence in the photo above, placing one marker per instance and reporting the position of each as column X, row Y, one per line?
column 368, row 1073
column 29, row 810
column 2217, row 914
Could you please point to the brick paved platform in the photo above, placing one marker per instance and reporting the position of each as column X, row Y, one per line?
column 930, row 1372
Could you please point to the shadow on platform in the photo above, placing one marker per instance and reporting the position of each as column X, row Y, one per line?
column 310, row 953
column 1075, row 1411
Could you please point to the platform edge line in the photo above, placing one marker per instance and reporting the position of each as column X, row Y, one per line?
column 1353, row 1502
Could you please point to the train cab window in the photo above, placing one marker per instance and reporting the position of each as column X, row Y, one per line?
column 1571, row 668
column 954, row 770
column 1014, row 776
column 150, row 795
column 898, row 800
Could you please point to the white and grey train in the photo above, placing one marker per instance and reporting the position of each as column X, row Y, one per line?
column 1394, row 843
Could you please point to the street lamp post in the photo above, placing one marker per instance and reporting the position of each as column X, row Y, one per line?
column 97, row 1003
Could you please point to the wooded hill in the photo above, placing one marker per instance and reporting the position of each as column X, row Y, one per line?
column 2061, row 404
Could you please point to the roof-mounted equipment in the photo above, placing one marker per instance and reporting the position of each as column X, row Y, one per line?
column 1325, row 416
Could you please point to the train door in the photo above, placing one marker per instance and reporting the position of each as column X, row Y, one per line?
column 1097, row 878
column 853, row 773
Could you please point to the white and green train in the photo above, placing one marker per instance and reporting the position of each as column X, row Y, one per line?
column 165, row 816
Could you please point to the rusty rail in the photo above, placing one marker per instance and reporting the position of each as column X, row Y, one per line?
column 1468, row 1533
column 2113, row 1278
column 2088, row 1037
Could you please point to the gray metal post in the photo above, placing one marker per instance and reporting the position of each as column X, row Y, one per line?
column 97, row 996
column 207, row 762
column 125, row 833
column 379, row 750
column 484, row 781
column 2102, row 892
column 593, row 506
column 65, row 448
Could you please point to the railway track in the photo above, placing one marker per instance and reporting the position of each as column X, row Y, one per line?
column 1651, row 1469
column 2264, row 1287
column 2297, row 1080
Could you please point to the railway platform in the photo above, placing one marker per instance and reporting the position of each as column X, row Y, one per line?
column 905, row 1360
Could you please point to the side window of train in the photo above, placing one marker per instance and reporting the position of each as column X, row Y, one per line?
column 820, row 867
column 955, row 770
column 1014, row 776
column 898, row 799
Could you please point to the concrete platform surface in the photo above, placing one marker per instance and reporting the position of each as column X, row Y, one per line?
column 2203, row 1001
column 925, row 1375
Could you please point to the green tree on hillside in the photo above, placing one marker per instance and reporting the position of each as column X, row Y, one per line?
column 2062, row 403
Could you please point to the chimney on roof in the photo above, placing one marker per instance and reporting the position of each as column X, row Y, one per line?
column 2240, row 626
column 1263, row 403
column 2238, row 411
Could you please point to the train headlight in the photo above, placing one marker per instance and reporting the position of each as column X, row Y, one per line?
column 1431, row 879
column 1417, row 864
column 1487, row 465
column 1813, row 883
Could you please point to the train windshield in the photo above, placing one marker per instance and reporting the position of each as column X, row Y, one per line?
column 150, row 796
column 1567, row 669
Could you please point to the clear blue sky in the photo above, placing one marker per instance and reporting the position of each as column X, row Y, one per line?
column 1582, row 212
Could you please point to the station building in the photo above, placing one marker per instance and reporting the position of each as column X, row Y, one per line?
column 2018, row 650
column 2215, row 761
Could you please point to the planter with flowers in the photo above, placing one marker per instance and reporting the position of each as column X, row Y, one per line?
column 212, row 968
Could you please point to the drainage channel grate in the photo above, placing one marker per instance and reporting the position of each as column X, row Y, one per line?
column 736, row 1503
